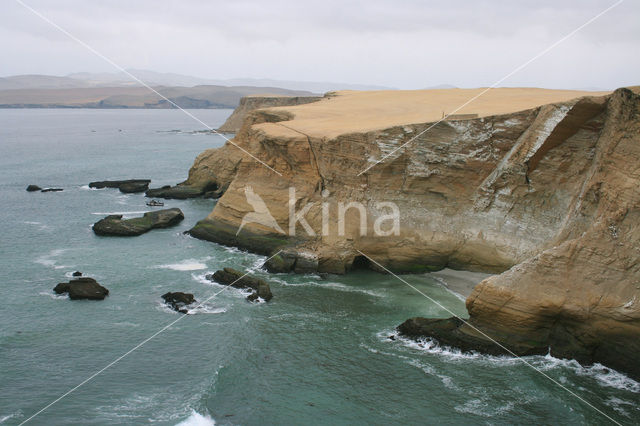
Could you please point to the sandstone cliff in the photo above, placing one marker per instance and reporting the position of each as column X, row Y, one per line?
column 541, row 189
column 250, row 103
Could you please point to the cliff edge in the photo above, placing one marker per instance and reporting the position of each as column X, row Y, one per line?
column 253, row 102
column 542, row 189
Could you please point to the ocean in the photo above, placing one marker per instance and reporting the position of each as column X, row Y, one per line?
column 318, row 353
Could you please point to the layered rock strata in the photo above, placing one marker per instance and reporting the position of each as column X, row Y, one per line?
column 542, row 189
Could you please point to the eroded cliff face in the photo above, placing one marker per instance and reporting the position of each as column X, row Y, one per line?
column 547, row 198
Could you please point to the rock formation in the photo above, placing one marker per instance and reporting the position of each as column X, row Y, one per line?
column 126, row 186
column 114, row 225
column 250, row 103
column 33, row 188
column 82, row 288
column 179, row 301
column 542, row 189
column 233, row 278
column 183, row 191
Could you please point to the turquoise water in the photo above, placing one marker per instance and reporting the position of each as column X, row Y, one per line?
column 318, row 353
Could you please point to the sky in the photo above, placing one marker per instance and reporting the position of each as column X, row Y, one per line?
column 402, row 44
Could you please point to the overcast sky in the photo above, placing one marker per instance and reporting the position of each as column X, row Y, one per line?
column 403, row 44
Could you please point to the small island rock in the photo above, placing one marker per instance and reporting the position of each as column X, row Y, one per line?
column 82, row 288
column 179, row 301
column 234, row 278
column 114, row 225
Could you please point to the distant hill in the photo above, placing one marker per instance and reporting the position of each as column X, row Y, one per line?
column 136, row 97
column 119, row 90
column 152, row 78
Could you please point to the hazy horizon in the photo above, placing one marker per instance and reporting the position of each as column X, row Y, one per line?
column 410, row 45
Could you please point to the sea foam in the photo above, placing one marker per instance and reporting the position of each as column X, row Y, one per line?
column 197, row 419
column 185, row 265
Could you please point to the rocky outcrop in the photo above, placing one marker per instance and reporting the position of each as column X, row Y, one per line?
column 236, row 279
column 82, row 288
column 179, row 301
column 251, row 103
column 114, row 225
column 125, row 186
column 33, row 188
column 545, row 196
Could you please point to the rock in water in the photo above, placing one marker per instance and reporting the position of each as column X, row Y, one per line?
column 82, row 288
column 134, row 187
column 179, row 192
column 229, row 276
column 51, row 190
column 179, row 301
column 126, row 186
column 454, row 333
column 77, row 274
column 33, row 188
column 116, row 226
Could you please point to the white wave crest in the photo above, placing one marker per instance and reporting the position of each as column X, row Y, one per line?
column 49, row 259
column 197, row 419
column 53, row 295
column 185, row 265
column 122, row 213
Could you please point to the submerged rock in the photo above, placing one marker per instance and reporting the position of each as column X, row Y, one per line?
column 178, row 301
column 51, row 190
column 33, row 188
column 116, row 226
column 126, row 186
column 82, row 288
column 234, row 278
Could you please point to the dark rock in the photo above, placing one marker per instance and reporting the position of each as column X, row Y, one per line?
column 305, row 265
column 227, row 234
column 233, row 278
column 33, row 188
column 455, row 333
column 115, row 225
column 215, row 194
column 179, row 301
column 77, row 274
column 51, row 190
column 82, row 288
column 289, row 260
column 179, row 192
column 281, row 262
column 126, row 186
column 134, row 187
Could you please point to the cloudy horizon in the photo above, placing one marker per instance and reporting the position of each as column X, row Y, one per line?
column 407, row 45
